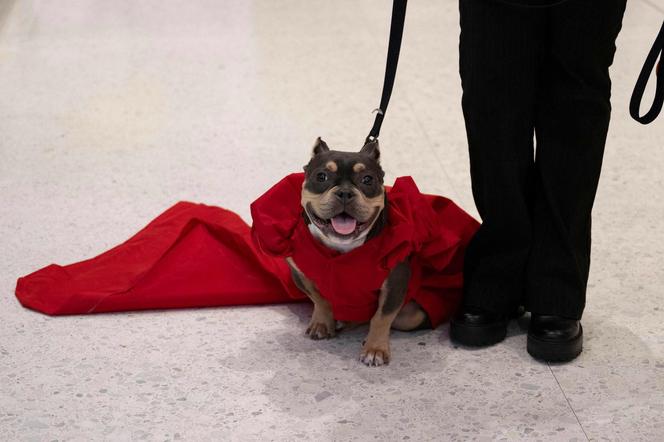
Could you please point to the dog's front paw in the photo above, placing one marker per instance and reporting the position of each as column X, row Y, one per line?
column 322, row 325
column 320, row 330
column 375, row 354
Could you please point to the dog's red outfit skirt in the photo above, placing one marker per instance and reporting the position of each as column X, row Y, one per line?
column 194, row 255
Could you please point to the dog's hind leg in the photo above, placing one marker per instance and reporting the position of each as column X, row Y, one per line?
column 411, row 317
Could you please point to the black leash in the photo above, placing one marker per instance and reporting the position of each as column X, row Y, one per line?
column 396, row 32
column 656, row 52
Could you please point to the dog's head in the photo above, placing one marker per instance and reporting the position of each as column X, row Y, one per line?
column 343, row 195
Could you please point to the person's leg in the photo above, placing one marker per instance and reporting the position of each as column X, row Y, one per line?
column 500, row 52
column 571, row 127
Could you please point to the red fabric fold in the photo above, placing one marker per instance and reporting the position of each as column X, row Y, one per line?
column 194, row 255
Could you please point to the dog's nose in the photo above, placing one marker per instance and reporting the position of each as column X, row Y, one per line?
column 344, row 195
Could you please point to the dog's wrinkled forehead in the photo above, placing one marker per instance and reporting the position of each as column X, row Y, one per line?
column 331, row 168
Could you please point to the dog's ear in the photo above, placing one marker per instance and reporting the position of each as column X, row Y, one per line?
column 371, row 150
column 320, row 146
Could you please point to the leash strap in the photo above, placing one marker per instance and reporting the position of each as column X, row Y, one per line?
column 656, row 52
column 396, row 32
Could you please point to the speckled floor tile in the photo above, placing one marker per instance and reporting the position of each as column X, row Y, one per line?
column 112, row 111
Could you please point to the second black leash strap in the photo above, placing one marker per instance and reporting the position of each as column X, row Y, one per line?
column 656, row 52
column 396, row 32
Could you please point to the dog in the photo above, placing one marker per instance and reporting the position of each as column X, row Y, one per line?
column 344, row 204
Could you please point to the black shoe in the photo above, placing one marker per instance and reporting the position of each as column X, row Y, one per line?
column 475, row 327
column 553, row 338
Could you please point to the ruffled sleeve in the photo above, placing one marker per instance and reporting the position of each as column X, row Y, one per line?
column 452, row 229
column 415, row 209
column 441, row 228
column 276, row 214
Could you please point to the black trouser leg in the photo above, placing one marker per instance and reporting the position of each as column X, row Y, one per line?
column 500, row 50
column 571, row 126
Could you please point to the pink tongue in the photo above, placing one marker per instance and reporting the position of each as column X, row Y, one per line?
column 343, row 224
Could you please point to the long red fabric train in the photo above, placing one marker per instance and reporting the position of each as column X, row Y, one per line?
column 194, row 255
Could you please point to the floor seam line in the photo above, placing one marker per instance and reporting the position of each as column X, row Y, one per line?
column 568, row 403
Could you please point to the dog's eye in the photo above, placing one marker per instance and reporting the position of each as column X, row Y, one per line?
column 367, row 179
column 321, row 177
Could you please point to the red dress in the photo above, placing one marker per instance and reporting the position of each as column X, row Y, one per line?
column 195, row 255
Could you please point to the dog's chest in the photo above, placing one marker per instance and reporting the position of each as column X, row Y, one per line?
column 350, row 281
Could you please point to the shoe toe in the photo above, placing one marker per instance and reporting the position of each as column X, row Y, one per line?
column 475, row 327
column 553, row 328
column 554, row 339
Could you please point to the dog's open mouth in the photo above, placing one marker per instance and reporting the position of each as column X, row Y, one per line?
column 343, row 224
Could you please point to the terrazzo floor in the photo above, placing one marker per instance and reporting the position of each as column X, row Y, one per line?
column 112, row 111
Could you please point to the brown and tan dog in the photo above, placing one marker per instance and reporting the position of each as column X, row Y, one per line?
column 344, row 204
